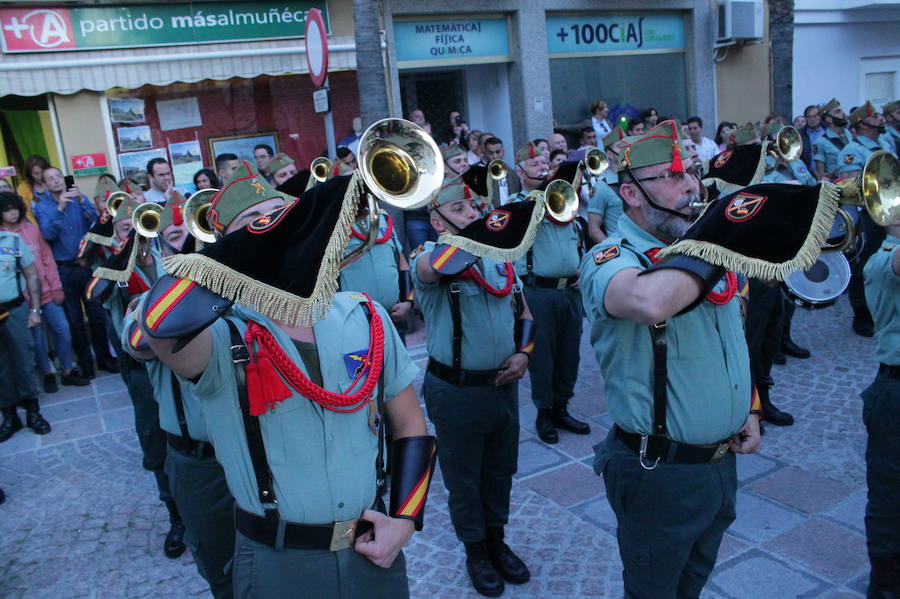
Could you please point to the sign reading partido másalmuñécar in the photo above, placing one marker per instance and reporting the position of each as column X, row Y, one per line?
column 606, row 33
column 164, row 24
column 431, row 42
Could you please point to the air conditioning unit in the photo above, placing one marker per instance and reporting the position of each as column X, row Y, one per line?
column 740, row 20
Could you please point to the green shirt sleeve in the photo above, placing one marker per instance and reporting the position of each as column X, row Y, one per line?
column 595, row 277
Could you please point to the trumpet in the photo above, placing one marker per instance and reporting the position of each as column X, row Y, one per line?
column 318, row 169
column 787, row 147
column 561, row 201
column 877, row 189
column 115, row 201
column 195, row 211
column 146, row 218
column 595, row 161
column 497, row 170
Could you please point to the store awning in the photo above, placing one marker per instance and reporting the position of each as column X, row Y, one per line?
column 99, row 70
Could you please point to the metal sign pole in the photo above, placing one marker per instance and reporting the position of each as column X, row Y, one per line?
column 329, row 125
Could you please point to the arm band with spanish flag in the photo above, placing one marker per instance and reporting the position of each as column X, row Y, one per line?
column 412, row 465
column 406, row 287
column 755, row 402
column 526, row 330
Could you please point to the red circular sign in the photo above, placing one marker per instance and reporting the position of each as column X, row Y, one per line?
column 316, row 46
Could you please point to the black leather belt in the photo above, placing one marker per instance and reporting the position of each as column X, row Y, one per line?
column 891, row 371
column 551, row 282
column 12, row 303
column 72, row 263
column 318, row 537
column 461, row 377
column 672, row 452
column 198, row 449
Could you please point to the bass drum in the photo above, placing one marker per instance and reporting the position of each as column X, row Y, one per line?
column 821, row 285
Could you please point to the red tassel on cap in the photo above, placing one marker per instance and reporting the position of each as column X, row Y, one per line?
column 676, row 166
column 264, row 385
column 177, row 219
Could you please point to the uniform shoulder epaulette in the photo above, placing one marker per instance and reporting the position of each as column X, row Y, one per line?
column 606, row 254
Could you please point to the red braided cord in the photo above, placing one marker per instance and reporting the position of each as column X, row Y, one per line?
column 301, row 383
column 720, row 299
column 383, row 238
column 473, row 274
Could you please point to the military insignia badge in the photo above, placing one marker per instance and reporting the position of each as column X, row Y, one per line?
column 417, row 251
column 501, row 268
column 849, row 158
column 743, row 207
column 606, row 254
column 270, row 221
column 356, row 362
column 258, row 187
column 722, row 158
column 497, row 220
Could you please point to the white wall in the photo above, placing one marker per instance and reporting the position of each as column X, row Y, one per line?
column 487, row 99
column 834, row 50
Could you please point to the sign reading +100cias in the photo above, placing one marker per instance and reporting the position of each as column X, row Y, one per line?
column 599, row 33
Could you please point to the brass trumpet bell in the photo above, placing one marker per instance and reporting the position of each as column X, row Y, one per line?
column 115, row 200
column 318, row 169
column 595, row 161
column 498, row 170
column 195, row 211
column 561, row 201
column 877, row 188
column 146, row 219
column 400, row 163
column 788, row 144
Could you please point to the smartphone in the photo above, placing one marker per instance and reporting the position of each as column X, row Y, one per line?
column 70, row 182
column 7, row 171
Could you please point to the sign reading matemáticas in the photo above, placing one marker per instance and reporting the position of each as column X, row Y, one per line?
column 94, row 28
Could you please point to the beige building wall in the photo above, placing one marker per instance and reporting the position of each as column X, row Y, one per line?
column 82, row 130
column 744, row 81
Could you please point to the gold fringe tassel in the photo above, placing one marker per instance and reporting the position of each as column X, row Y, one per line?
column 99, row 239
column 276, row 303
column 483, row 250
column 761, row 269
column 120, row 276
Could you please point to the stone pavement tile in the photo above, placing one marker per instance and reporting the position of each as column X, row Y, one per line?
column 527, row 414
column 841, row 595
column 535, row 456
column 116, row 399
column 117, row 420
column 730, row 547
column 829, row 550
column 568, row 485
column 753, row 465
column 107, row 383
column 802, row 490
column 754, row 574
column 760, row 520
column 860, row 584
column 65, row 393
column 851, row 511
column 598, row 512
column 70, row 430
column 75, row 408
column 580, row 446
column 603, row 420
column 24, row 440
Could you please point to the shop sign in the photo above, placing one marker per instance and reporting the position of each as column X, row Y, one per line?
column 604, row 33
column 162, row 24
column 85, row 165
column 435, row 42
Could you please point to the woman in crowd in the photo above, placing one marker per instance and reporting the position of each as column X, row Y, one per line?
column 206, row 179
column 12, row 209
column 723, row 132
column 32, row 188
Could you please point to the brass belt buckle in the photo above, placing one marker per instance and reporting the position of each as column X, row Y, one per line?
column 721, row 450
column 342, row 535
column 562, row 283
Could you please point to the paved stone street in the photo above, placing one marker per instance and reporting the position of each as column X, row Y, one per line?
column 82, row 519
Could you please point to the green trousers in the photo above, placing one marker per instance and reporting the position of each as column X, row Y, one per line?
column 262, row 572
column 554, row 363
column 17, row 359
column 477, row 432
column 207, row 509
column 670, row 519
column 881, row 415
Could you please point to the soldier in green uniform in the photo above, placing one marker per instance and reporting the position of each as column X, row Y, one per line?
column 881, row 415
column 383, row 271
column 785, row 172
column 869, row 127
column 828, row 146
column 605, row 206
column 471, row 388
column 282, row 168
column 669, row 476
column 293, row 391
column 18, row 273
column 891, row 112
column 550, row 272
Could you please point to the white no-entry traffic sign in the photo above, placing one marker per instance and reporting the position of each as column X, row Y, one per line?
column 316, row 47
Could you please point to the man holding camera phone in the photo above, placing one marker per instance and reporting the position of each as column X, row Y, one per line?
column 63, row 223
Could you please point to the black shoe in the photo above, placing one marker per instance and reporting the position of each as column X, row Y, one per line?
column 174, row 545
column 779, row 358
column 792, row 349
column 88, row 373
column 863, row 325
column 74, row 379
column 544, row 425
column 485, row 578
column 562, row 419
column 2, row 497
column 50, row 385
column 771, row 414
column 507, row 563
column 11, row 424
column 36, row 422
column 109, row 365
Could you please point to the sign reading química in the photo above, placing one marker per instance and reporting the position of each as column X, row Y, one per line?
column 164, row 24
column 451, row 41
column 604, row 33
